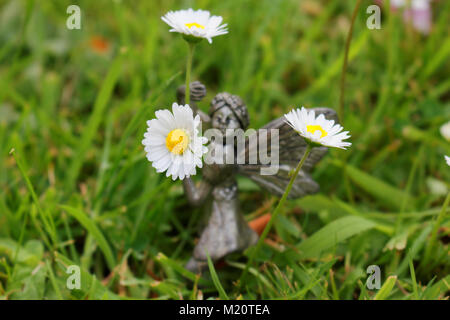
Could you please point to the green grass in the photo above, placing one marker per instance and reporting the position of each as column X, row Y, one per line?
column 76, row 187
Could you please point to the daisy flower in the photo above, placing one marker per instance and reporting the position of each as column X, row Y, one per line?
column 173, row 143
column 197, row 24
column 447, row 159
column 319, row 131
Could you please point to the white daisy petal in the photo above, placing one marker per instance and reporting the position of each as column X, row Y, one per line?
column 173, row 143
column 166, row 118
column 162, row 164
column 199, row 23
column 447, row 159
column 317, row 130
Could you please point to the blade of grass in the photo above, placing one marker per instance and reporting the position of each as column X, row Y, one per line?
column 437, row 223
column 332, row 234
column 413, row 277
column 95, row 119
column 377, row 188
column 415, row 248
column 53, row 280
column 86, row 278
column 386, row 289
column 46, row 219
column 255, row 272
column 216, row 280
column 163, row 259
column 92, row 228
column 334, row 69
column 437, row 290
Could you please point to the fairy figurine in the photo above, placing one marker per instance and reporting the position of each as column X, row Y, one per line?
column 226, row 230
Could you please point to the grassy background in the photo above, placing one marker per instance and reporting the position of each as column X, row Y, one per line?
column 78, row 190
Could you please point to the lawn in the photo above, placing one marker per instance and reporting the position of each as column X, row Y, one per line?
column 77, row 189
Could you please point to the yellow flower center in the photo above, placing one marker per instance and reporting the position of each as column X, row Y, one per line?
column 177, row 141
column 314, row 128
column 194, row 24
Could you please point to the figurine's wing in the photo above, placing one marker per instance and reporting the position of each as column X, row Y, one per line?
column 291, row 148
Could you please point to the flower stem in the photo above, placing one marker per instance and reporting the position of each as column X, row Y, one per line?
column 274, row 214
column 187, row 96
column 344, row 66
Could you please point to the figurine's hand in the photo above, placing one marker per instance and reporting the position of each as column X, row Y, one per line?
column 209, row 174
column 196, row 194
column 197, row 91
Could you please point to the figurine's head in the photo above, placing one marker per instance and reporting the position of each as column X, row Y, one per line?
column 228, row 112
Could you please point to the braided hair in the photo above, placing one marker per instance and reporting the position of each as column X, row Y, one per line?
column 235, row 104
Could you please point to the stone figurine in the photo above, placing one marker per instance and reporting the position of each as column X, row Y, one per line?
column 226, row 230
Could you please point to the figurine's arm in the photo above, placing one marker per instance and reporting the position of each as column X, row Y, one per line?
column 198, row 92
column 196, row 194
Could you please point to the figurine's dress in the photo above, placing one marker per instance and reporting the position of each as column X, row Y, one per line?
column 226, row 230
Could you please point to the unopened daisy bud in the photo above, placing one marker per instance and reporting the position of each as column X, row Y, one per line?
column 317, row 131
column 195, row 25
column 173, row 142
column 445, row 131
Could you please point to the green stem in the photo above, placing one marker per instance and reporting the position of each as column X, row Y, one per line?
column 344, row 66
column 274, row 214
column 187, row 96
